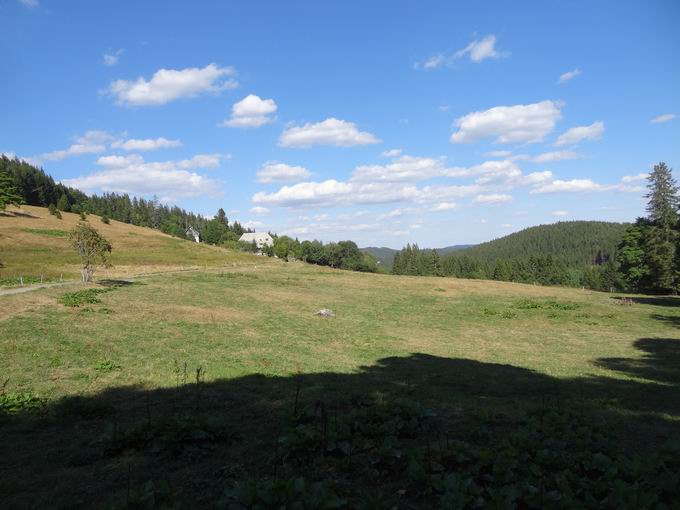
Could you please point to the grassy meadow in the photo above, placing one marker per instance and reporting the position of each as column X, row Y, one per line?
column 240, row 340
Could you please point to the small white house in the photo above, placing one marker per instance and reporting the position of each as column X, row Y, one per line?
column 193, row 233
column 261, row 239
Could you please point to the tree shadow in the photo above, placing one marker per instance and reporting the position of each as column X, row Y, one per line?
column 71, row 453
column 672, row 301
column 115, row 283
column 14, row 214
column 673, row 320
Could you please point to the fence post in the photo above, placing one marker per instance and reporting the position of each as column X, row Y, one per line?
column 21, row 280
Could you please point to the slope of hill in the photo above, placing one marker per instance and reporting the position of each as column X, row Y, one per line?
column 574, row 243
column 386, row 255
column 34, row 243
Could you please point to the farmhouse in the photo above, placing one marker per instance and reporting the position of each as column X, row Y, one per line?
column 192, row 233
column 261, row 239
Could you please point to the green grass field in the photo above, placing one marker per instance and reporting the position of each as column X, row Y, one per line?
column 242, row 342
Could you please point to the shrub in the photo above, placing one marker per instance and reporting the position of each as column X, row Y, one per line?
column 107, row 366
column 82, row 297
column 105, row 219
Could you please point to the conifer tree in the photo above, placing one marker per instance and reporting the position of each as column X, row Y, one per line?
column 8, row 192
column 662, row 236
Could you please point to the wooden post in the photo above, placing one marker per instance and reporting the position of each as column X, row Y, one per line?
column 21, row 281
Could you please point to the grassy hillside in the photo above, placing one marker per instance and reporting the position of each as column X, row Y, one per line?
column 575, row 243
column 192, row 379
column 34, row 243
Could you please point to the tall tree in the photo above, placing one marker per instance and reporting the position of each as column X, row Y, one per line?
column 8, row 192
column 661, row 237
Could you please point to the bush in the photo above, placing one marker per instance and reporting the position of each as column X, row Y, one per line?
column 105, row 219
column 57, row 214
column 82, row 297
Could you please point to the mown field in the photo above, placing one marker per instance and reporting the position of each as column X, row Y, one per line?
column 178, row 384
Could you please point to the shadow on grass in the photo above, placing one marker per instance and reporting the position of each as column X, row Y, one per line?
column 114, row 283
column 80, row 450
column 13, row 214
column 672, row 301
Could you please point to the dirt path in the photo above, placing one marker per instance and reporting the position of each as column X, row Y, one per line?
column 30, row 288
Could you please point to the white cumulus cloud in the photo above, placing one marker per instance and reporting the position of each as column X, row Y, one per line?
column 259, row 210
column 560, row 213
column 477, row 51
column 167, row 179
column 524, row 123
column 492, row 199
column 168, row 85
column 91, row 142
column 404, row 168
column 569, row 75
column 147, row 144
column 443, row 206
column 250, row 112
column 331, row 131
column 393, row 153
column 548, row 157
column 634, row 178
column 662, row 118
column 577, row 134
column 482, row 49
column 273, row 171
column 111, row 59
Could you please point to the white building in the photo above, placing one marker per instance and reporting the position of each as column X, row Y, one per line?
column 193, row 233
column 261, row 239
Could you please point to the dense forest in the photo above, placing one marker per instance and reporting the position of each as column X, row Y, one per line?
column 639, row 257
column 34, row 187
column 385, row 256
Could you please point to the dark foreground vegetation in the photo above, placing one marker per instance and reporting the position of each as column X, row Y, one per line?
column 411, row 432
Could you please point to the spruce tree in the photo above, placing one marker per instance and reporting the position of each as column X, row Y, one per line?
column 8, row 192
column 661, row 237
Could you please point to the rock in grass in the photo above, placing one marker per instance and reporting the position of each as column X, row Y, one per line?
column 325, row 312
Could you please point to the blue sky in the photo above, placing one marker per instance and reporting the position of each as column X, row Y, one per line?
column 383, row 122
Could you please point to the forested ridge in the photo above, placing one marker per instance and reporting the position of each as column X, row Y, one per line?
column 574, row 243
column 639, row 257
column 35, row 187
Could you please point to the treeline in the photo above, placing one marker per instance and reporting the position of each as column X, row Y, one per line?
column 35, row 187
column 539, row 269
column 340, row 255
column 573, row 253
column 642, row 257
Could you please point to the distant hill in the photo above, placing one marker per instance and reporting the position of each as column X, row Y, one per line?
column 574, row 243
column 386, row 255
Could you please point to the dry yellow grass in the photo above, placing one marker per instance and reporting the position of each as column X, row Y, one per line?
column 33, row 243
